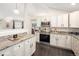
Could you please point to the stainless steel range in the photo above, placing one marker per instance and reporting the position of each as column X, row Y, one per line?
column 45, row 32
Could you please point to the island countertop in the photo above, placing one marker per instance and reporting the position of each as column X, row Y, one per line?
column 7, row 43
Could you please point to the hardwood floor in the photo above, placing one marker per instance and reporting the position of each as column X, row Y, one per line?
column 47, row 50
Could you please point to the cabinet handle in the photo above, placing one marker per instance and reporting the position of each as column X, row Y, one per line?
column 2, row 55
column 19, row 46
column 31, row 45
column 56, row 39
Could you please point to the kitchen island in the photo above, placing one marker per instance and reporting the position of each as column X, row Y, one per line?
column 23, row 45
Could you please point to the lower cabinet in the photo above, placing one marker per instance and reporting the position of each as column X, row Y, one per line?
column 63, row 41
column 37, row 37
column 25, row 48
column 18, row 49
column 69, row 42
column 75, row 46
column 30, row 46
column 6, row 52
column 53, row 40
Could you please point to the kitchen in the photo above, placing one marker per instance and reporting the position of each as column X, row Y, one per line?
column 39, row 29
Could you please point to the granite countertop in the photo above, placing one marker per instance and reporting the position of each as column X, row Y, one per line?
column 7, row 43
column 66, row 33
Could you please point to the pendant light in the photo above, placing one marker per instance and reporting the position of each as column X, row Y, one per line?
column 16, row 11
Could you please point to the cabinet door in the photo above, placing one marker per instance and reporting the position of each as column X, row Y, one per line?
column 27, row 47
column 69, row 42
column 6, row 52
column 37, row 37
column 30, row 46
column 74, row 19
column 60, row 21
column 52, row 39
column 18, row 49
column 61, row 42
column 76, row 46
column 54, row 21
column 65, row 20
column 33, row 45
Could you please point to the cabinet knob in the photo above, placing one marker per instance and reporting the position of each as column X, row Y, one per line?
column 2, row 55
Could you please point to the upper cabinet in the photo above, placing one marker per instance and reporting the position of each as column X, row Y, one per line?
column 74, row 19
column 53, row 21
column 59, row 21
column 65, row 20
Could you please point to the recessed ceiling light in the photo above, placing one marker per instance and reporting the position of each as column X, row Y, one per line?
column 73, row 3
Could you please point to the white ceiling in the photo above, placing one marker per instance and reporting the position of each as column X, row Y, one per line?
column 7, row 8
column 60, row 6
column 64, row 6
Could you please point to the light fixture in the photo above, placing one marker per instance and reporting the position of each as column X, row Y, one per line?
column 73, row 3
column 16, row 11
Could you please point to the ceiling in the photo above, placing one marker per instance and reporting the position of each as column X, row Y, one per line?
column 32, row 8
column 64, row 6
column 60, row 6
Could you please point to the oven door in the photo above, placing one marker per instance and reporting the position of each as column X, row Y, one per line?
column 45, row 38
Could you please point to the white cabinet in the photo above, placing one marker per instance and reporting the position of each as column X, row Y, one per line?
column 27, row 47
column 6, row 52
column 30, row 46
column 18, row 49
column 58, row 40
column 69, row 42
column 59, row 21
column 63, row 41
column 74, row 22
column 75, row 46
column 33, row 45
column 53, row 21
column 53, row 39
column 62, row 20
column 37, row 36
column 65, row 20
